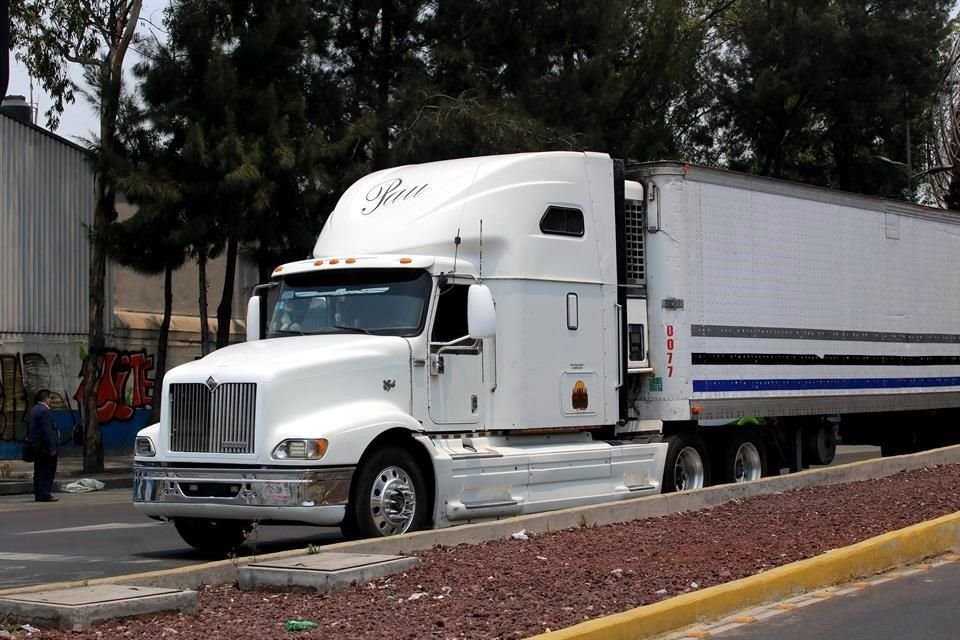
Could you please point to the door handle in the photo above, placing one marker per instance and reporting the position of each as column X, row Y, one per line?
column 436, row 364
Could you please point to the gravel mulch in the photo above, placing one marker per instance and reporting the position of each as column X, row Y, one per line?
column 517, row 588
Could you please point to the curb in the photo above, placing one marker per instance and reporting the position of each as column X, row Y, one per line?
column 884, row 552
column 227, row 571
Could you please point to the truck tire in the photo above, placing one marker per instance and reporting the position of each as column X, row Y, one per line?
column 820, row 444
column 213, row 537
column 687, row 466
column 389, row 496
column 744, row 457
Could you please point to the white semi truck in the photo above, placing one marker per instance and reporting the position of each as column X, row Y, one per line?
column 486, row 337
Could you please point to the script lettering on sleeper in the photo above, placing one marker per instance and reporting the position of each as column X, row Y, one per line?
column 390, row 192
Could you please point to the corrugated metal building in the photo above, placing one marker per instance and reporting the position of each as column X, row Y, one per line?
column 46, row 203
column 47, row 197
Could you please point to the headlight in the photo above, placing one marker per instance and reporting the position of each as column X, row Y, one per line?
column 145, row 446
column 301, row 449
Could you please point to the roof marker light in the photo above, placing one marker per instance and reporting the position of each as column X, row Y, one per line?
column 318, row 263
column 335, row 261
column 278, row 270
column 405, row 260
column 350, row 260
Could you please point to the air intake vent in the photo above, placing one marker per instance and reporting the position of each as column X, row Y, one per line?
column 636, row 257
column 211, row 418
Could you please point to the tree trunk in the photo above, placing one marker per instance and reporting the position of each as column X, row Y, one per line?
column 92, row 371
column 264, row 270
column 162, row 341
column 225, row 309
column 204, row 326
column 384, row 77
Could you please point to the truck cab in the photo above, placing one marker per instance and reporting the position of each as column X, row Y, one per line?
column 456, row 350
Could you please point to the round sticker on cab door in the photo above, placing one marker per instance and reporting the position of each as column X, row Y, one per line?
column 580, row 399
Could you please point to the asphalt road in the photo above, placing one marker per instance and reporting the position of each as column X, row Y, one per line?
column 95, row 535
column 922, row 606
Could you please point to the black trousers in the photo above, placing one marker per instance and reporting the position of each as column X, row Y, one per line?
column 44, row 469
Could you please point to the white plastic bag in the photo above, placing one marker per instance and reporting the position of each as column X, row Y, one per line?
column 83, row 485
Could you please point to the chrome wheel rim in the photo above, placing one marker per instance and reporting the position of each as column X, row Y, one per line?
column 688, row 471
column 393, row 501
column 746, row 464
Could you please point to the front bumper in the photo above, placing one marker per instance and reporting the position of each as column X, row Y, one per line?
column 314, row 496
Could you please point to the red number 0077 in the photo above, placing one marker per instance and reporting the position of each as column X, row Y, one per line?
column 670, row 347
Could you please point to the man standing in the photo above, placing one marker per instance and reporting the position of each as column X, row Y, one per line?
column 45, row 439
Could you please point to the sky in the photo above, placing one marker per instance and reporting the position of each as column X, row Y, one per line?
column 79, row 120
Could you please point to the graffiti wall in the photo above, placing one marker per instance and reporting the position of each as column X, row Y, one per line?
column 124, row 400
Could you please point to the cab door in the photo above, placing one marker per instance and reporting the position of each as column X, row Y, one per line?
column 456, row 362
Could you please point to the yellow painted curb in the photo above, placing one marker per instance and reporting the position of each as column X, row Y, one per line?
column 884, row 552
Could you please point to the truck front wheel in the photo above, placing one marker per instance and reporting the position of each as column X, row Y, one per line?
column 389, row 497
column 213, row 537
column 687, row 465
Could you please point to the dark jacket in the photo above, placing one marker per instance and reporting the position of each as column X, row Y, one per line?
column 42, row 432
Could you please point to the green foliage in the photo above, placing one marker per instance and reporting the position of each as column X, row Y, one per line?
column 822, row 90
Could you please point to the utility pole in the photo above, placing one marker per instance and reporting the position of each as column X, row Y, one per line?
column 909, row 162
column 4, row 47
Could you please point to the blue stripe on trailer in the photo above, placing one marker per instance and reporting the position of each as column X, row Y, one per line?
column 706, row 386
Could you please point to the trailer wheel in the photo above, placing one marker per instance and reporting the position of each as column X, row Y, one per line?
column 687, row 466
column 744, row 458
column 213, row 537
column 821, row 444
column 389, row 497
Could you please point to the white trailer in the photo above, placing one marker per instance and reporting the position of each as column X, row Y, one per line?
column 486, row 337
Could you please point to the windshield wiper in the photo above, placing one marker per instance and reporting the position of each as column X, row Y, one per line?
column 354, row 329
column 287, row 332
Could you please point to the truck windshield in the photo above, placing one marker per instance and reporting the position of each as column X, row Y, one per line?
column 383, row 302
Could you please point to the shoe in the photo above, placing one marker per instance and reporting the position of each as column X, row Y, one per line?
column 48, row 499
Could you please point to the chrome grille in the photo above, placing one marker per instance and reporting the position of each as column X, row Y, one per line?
column 218, row 421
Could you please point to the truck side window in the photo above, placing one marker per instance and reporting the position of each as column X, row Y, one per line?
column 450, row 321
column 562, row 221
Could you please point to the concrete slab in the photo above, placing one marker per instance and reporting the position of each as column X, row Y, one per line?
column 323, row 572
column 75, row 609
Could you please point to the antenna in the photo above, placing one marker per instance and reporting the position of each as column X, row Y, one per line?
column 481, row 247
column 456, row 249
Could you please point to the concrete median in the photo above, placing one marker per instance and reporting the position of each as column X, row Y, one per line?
column 866, row 558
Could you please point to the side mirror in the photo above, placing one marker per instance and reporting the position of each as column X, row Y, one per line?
column 481, row 314
column 253, row 319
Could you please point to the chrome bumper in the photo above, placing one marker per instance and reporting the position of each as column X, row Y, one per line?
column 317, row 496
